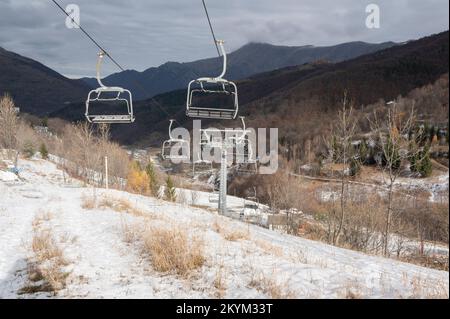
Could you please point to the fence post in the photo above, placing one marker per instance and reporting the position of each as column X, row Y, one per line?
column 106, row 172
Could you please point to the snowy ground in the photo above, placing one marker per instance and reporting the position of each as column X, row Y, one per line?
column 262, row 264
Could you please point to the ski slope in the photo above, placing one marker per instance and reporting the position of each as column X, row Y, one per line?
column 263, row 264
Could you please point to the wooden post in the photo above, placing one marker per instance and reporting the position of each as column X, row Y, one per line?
column 106, row 172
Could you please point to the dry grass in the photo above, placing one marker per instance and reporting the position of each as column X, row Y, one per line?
column 41, row 218
column 269, row 248
column 119, row 205
column 45, row 267
column 271, row 287
column 422, row 288
column 88, row 202
column 220, row 282
column 234, row 234
column 351, row 290
column 130, row 232
column 172, row 250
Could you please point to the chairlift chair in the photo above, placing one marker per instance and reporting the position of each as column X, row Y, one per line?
column 250, row 166
column 206, row 86
column 109, row 94
column 181, row 144
column 202, row 166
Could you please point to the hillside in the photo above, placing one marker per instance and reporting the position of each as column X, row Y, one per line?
column 300, row 100
column 98, row 250
column 36, row 88
column 251, row 59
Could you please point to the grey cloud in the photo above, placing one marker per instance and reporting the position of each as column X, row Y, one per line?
column 145, row 33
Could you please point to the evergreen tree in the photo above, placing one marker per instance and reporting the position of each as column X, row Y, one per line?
column 28, row 149
column 426, row 167
column 363, row 152
column 170, row 189
column 421, row 162
column 153, row 179
column 43, row 150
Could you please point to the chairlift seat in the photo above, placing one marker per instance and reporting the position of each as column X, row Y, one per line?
column 116, row 119
column 211, row 113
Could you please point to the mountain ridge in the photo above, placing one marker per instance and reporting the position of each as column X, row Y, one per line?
column 30, row 83
column 250, row 59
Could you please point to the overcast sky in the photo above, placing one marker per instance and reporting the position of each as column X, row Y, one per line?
column 146, row 33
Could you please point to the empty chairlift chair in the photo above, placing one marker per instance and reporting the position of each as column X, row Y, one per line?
column 182, row 147
column 213, row 86
column 106, row 95
column 249, row 166
column 202, row 166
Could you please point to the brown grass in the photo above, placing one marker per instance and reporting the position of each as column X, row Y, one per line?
column 422, row 288
column 219, row 282
column 230, row 234
column 269, row 248
column 45, row 267
column 119, row 205
column 172, row 250
column 41, row 218
column 130, row 232
column 271, row 287
column 88, row 202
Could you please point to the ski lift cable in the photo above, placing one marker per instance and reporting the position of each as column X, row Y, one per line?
column 211, row 28
column 110, row 57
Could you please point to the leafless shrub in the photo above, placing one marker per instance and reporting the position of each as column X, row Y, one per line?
column 8, row 125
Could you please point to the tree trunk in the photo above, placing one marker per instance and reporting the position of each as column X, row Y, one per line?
column 388, row 222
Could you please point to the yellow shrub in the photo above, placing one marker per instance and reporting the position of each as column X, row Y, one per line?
column 138, row 180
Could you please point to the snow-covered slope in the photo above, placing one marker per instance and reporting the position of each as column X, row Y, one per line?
column 259, row 264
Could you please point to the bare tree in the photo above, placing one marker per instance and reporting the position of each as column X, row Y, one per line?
column 8, row 125
column 393, row 132
column 83, row 150
column 342, row 152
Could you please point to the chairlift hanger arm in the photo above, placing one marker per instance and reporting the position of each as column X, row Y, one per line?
column 170, row 130
column 224, row 55
column 99, row 66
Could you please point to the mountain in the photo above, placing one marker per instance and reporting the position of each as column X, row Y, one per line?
column 36, row 88
column 299, row 100
column 251, row 59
